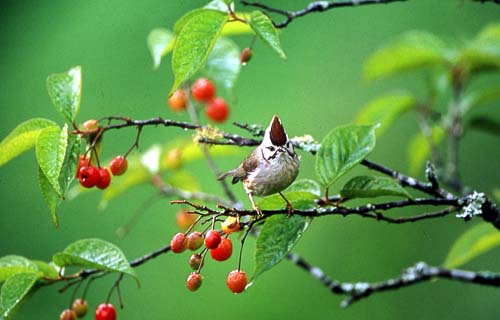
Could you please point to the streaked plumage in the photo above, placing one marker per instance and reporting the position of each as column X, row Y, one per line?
column 271, row 167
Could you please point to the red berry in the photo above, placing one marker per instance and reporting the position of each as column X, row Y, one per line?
column 223, row 250
column 212, row 239
column 118, row 165
column 105, row 311
column 80, row 307
column 104, row 178
column 203, row 90
column 217, row 110
column 246, row 55
column 89, row 176
column 195, row 261
column 178, row 243
column 184, row 219
column 194, row 240
column 82, row 162
column 178, row 101
column 236, row 281
column 67, row 314
column 194, row 281
column 230, row 225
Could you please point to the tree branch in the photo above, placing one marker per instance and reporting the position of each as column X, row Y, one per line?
column 316, row 6
column 489, row 211
column 420, row 272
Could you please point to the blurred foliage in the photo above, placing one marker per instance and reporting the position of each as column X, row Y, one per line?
column 268, row 86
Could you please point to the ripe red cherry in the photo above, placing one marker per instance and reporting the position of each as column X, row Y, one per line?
column 178, row 101
column 80, row 307
column 203, row 90
column 82, row 162
column 118, row 165
column 237, row 281
column 223, row 250
column 104, row 178
column 217, row 110
column 212, row 239
column 194, row 281
column 178, row 243
column 67, row 314
column 194, row 240
column 88, row 176
column 105, row 311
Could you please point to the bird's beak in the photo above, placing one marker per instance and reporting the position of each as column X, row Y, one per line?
column 277, row 132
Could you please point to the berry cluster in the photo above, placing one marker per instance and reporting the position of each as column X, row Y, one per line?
column 203, row 91
column 91, row 176
column 217, row 243
column 105, row 311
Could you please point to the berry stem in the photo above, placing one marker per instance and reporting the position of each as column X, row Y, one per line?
column 243, row 243
column 136, row 142
column 117, row 286
column 75, row 290
column 203, row 254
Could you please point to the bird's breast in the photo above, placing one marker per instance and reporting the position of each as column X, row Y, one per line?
column 272, row 176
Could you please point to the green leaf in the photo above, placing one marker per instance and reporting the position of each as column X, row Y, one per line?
column 14, row 291
column 342, row 149
column 94, row 254
column 46, row 269
column 476, row 99
column 370, row 187
column 50, row 195
column 485, row 124
column 223, row 65
column 181, row 22
column 419, row 150
column 483, row 52
column 277, row 237
column 12, row 264
column 22, row 138
column 385, row 109
column 306, row 185
column 50, row 153
column 65, row 91
column 265, row 30
column 413, row 50
column 471, row 244
column 237, row 27
column 300, row 200
column 70, row 163
column 160, row 42
column 194, row 43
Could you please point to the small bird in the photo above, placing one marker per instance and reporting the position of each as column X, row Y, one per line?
column 270, row 168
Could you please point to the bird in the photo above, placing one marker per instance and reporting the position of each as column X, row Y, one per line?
column 270, row 168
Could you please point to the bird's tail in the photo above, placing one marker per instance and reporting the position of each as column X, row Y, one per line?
column 238, row 174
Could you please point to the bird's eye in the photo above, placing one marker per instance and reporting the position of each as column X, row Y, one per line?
column 271, row 148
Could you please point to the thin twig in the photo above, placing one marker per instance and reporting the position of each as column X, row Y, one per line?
column 420, row 272
column 316, row 6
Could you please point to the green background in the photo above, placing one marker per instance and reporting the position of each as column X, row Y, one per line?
column 318, row 88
